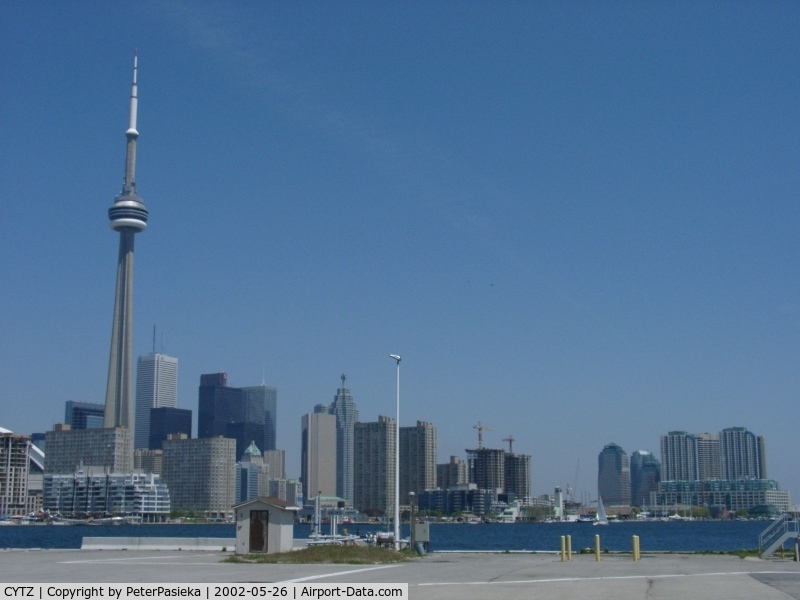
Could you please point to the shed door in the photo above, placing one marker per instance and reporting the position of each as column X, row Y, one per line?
column 259, row 521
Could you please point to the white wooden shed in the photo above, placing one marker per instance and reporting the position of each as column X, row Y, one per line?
column 264, row 525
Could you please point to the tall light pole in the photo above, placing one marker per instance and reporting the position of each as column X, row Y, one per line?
column 411, row 498
column 397, row 461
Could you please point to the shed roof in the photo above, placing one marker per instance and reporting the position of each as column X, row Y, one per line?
column 276, row 502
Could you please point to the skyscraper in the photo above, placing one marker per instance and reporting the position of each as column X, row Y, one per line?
column 165, row 421
column 128, row 216
column 614, row 476
column 200, row 474
column 637, row 460
column 743, row 454
column 270, row 418
column 708, row 456
column 518, row 476
column 645, row 475
column 417, row 459
column 262, row 398
column 346, row 413
column 488, row 469
column 276, row 461
column 14, row 450
column 83, row 415
column 218, row 405
column 451, row 473
column 156, row 387
column 237, row 413
column 251, row 475
column 318, row 455
column 678, row 457
column 374, row 461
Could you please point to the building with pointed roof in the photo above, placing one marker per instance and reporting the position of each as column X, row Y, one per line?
column 346, row 413
column 252, row 475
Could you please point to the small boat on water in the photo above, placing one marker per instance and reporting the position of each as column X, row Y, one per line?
column 510, row 514
column 601, row 518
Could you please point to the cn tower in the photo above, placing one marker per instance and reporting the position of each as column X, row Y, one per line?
column 128, row 216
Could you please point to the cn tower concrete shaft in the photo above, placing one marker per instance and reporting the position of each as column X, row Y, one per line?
column 119, row 392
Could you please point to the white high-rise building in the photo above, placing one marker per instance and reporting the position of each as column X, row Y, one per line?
column 709, row 464
column 679, row 457
column 156, row 387
column 742, row 454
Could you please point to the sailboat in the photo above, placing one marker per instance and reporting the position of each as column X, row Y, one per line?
column 601, row 519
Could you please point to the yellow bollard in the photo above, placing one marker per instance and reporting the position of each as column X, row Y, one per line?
column 563, row 548
column 635, row 541
column 597, row 548
column 569, row 547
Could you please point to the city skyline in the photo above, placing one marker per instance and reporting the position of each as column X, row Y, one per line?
column 545, row 209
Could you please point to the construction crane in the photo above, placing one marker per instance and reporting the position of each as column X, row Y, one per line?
column 510, row 440
column 481, row 429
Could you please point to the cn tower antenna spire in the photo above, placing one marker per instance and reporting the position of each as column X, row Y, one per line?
column 132, row 134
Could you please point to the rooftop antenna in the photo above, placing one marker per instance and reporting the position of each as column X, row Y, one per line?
column 154, row 338
column 344, row 377
column 510, row 440
column 481, row 429
column 264, row 375
column 162, row 342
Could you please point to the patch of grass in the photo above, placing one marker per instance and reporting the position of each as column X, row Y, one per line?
column 350, row 555
column 740, row 552
column 744, row 552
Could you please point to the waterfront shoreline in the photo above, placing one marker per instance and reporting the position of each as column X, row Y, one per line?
column 691, row 536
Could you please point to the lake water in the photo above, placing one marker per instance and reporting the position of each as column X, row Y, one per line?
column 679, row 536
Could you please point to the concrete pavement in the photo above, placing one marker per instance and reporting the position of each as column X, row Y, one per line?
column 468, row 576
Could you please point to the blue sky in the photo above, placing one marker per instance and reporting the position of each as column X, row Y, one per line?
column 576, row 222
